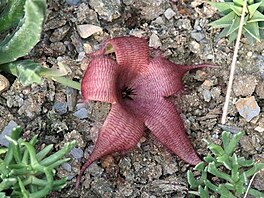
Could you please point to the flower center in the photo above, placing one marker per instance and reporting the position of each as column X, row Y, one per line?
column 127, row 93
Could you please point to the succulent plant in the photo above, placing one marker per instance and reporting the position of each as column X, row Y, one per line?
column 253, row 27
column 24, row 173
column 230, row 172
column 24, row 19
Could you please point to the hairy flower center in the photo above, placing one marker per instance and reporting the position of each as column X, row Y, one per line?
column 127, row 93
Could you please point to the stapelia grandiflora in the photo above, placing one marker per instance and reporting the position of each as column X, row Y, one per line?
column 137, row 86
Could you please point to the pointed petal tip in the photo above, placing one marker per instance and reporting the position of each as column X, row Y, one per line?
column 193, row 159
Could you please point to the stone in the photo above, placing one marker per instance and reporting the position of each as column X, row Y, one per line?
column 76, row 153
column 85, row 15
column 195, row 47
column 7, row 131
column 87, row 30
column 81, row 113
column 169, row 13
column 107, row 10
column 207, row 95
column 71, row 97
column 198, row 36
column 154, row 41
column 67, row 167
column 60, row 107
column 260, row 65
column 150, row 9
column 73, row 2
column 246, row 144
column 248, row 108
column 59, row 33
column 4, row 84
column 260, row 89
column 258, row 182
column 244, row 85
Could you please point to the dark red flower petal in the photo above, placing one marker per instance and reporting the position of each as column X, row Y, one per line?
column 99, row 81
column 161, row 78
column 121, row 131
column 132, row 54
column 161, row 117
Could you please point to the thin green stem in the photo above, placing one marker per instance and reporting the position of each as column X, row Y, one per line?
column 67, row 82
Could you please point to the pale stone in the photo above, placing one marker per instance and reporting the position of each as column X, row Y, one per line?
column 87, row 30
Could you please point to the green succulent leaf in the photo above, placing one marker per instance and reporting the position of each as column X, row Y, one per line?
column 236, row 9
column 27, row 34
column 59, row 154
column 44, row 152
column 210, row 185
column 191, row 180
column 203, row 192
column 21, row 172
column 223, row 22
column 233, row 143
column 223, row 7
column 234, row 170
column 200, row 166
column 238, row 2
column 224, row 159
column 229, row 171
column 213, row 170
column 252, row 9
column 225, row 139
column 27, row 71
column 256, row 193
column 216, row 149
column 253, row 30
column 257, row 17
column 11, row 15
column 224, row 192
column 234, row 26
column 232, row 37
column 244, row 163
column 257, row 167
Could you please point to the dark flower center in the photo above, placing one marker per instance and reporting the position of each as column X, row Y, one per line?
column 127, row 93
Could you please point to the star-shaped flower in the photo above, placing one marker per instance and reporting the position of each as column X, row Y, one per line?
column 137, row 86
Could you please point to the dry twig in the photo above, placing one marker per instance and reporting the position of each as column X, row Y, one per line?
column 233, row 64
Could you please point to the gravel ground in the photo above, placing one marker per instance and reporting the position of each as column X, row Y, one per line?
column 181, row 31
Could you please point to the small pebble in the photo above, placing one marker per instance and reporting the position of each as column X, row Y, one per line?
column 73, row 2
column 77, row 153
column 81, row 113
column 60, row 108
column 154, row 41
column 7, row 131
column 169, row 13
column 260, row 89
column 248, row 108
column 4, row 84
column 107, row 10
column 195, row 47
column 207, row 95
column 198, row 36
column 87, row 30
column 67, row 167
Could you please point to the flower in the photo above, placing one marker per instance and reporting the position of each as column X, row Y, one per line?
column 137, row 86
